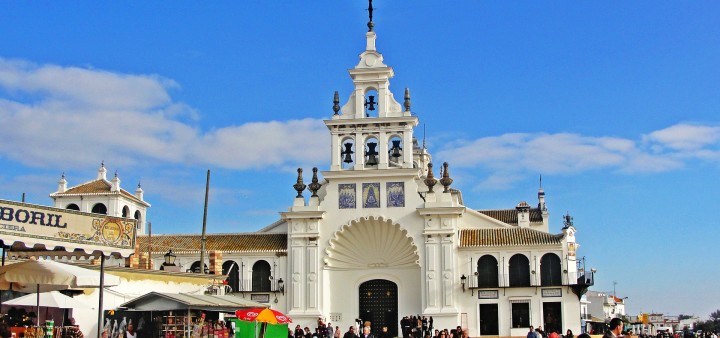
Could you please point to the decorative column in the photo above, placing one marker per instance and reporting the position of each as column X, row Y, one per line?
column 304, row 284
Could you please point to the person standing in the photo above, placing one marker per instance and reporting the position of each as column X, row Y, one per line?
column 366, row 333
column 130, row 331
column 616, row 327
column 350, row 333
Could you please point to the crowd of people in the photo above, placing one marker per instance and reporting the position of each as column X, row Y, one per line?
column 540, row 333
column 422, row 327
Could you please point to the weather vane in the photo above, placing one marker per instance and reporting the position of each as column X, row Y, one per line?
column 370, row 10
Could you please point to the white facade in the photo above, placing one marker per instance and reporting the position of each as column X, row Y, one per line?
column 373, row 223
column 104, row 197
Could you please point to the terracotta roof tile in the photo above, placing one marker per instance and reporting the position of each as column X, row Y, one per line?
column 509, row 216
column 97, row 187
column 92, row 187
column 253, row 242
column 506, row 237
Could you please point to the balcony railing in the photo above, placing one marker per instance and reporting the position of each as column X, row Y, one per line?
column 246, row 286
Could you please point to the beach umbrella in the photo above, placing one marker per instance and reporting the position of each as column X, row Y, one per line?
column 52, row 299
column 49, row 299
column 34, row 276
column 263, row 316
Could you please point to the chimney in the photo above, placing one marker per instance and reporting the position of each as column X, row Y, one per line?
column 523, row 210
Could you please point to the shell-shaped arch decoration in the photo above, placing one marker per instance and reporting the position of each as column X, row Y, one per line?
column 371, row 242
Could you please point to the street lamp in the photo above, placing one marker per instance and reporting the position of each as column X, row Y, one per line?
column 281, row 285
column 169, row 259
column 463, row 279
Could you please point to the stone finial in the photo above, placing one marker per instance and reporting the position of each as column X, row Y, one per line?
column 407, row 99
column 314, row 186
column 446, row 181
column 336, row 103
column 299, row 186
column 102, row 172
column 567, row 221
column 62, row 183
column 115, row 185
column 139, row 192
column 430, row 180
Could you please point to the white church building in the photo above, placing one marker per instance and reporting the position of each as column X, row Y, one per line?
column 377, row 236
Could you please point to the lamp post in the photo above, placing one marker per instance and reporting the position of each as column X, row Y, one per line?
column 169, row 259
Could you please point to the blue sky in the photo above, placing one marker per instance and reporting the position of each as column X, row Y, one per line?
column 616, row 104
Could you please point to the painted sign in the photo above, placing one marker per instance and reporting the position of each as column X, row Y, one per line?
column 488, row 294
column 35, row 224
column 554, row 292
column 260, row 298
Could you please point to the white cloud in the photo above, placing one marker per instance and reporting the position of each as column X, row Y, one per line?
column 70, row 117
column 685, row 136
column 506, row 158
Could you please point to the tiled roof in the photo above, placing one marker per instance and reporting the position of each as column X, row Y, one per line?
column 253, row 242
column 92, row 187
column 506, row 237
column 96, row 187
column 509, row 216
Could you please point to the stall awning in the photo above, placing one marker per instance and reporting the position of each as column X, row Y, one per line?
column 40, row 227
column 158, row 301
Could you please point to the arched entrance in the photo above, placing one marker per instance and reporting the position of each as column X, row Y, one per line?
column 379, row 305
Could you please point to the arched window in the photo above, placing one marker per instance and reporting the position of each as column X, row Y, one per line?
column 395, row 150
column 99, row 209
column 72, row 206
column 372, row 157
column 195, row 267
column 261, row 276
column 347, row 153
column 138, row 217
column 519, row 270
column 230, row 269
column 125, row 211
column 372, row 104
column 550, row 270
column 487, row 268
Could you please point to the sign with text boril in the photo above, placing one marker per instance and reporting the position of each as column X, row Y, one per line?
column 51, row 227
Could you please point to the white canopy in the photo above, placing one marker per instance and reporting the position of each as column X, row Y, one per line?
column 49, row 299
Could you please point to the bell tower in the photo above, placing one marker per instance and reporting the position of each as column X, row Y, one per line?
column 372, row 130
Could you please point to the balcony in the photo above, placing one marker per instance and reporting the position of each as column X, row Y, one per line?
column 273, row 285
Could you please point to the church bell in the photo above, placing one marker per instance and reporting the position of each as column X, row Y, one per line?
column 372, row 154
column 395, row 150
column 347, row 152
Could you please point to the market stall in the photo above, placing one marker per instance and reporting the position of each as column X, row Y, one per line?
column 173, row 315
